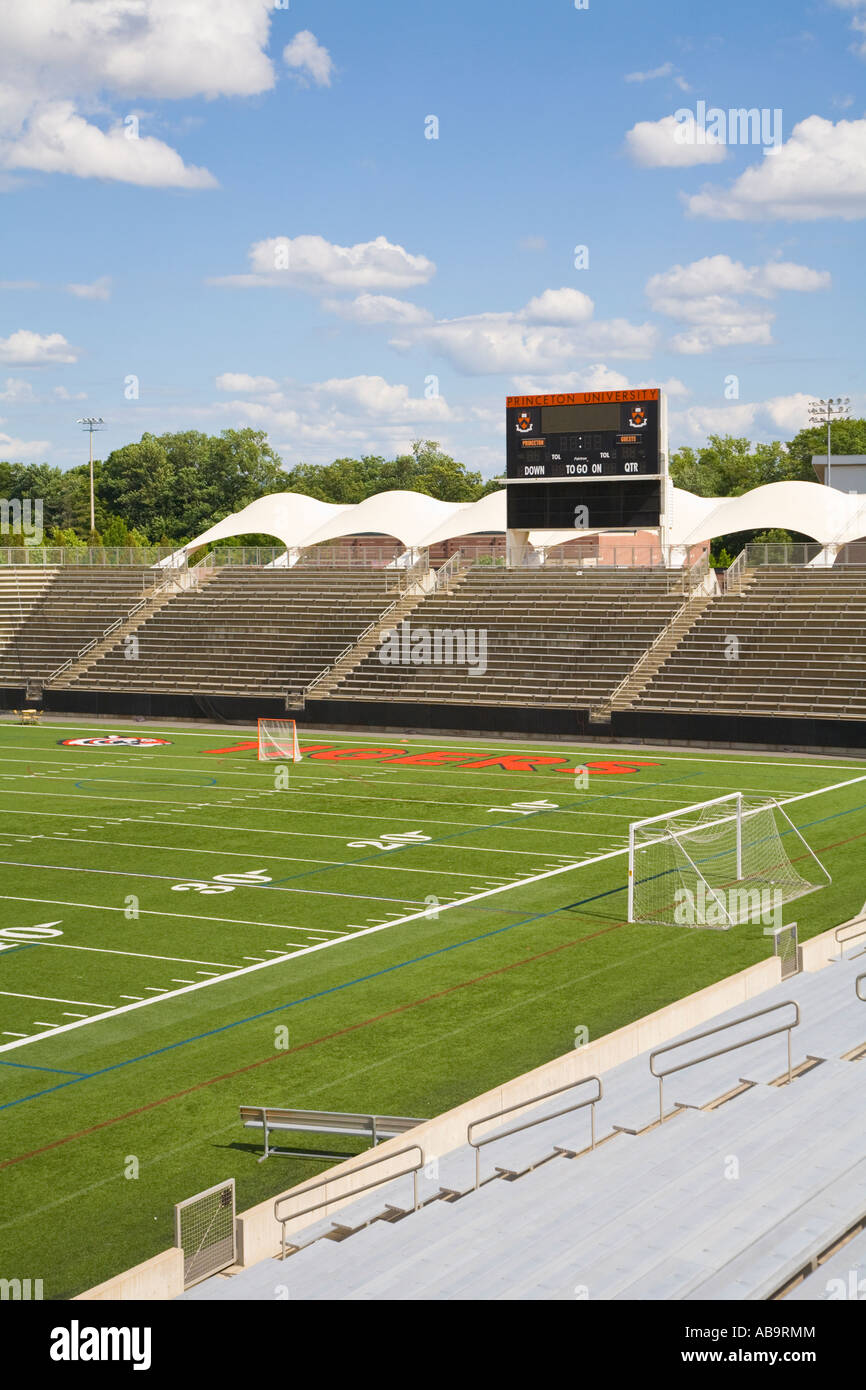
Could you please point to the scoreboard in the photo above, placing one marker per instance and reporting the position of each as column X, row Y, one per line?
column 600, row 451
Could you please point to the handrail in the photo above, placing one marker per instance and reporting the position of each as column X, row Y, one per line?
column 170, row 578
column 861, row 997
column 720, row 1028
column 350, row 647
column 478, row 1144
column 326, row 1182
column 442, row 577
column 859, row 922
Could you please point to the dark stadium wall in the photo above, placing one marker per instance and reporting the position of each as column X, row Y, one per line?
column 540, row 721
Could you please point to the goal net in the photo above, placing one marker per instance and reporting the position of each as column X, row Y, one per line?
column 719, row 863
column 278, row 741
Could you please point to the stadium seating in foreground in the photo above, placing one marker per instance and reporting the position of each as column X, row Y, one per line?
column 737, row 1195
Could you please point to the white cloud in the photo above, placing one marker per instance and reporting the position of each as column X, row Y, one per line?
column 100, row 289
column 858, row 23
column 307, row 57
column 315, row 421
column 240, row 381
column 13, row 449
column 785, row 414
column 664, row 71
column 533, row 243
column 17, row 391
column 551, row 331
column 84, row 54
column 27, row 349
column 597, row 377
column 63, row 395
column 377, row 308
column 671, row 144
column 58, row 141
column 565, row 306
column 312, row 263
column 375, row 396
column 704, row 295
column 819, row 172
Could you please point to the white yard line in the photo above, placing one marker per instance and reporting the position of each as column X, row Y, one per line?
column 52, row 999
column 233, row 974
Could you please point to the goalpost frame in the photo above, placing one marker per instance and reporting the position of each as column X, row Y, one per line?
column 737, row 815
column 289, row 724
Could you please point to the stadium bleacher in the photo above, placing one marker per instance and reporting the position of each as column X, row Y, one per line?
column 739, row 1194
column 60, row 611
column 563, row 638
column 801, row 637
column 247, row 631
column 569, row 638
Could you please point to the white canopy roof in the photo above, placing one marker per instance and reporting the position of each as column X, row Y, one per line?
column 418, row 520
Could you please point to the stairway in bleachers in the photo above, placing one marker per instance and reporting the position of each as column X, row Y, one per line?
column 561, row 638
column 800, row 650
column 60, row 611
column 246, row 632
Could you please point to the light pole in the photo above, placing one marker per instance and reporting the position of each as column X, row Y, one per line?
column 91, row 423
column 825, row 412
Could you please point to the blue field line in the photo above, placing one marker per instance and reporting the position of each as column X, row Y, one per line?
column 348, row 984
column 304, row 999
column 61, row 1071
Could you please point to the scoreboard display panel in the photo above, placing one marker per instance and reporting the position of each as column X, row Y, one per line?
column 610, row 505
column 584, row 436
column 591, row 460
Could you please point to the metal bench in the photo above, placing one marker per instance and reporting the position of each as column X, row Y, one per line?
column 376, row 1128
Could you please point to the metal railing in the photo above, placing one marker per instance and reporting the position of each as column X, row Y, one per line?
column 173, row 579
column 842, row 942
column 58, row 556
column 401, row 578
column 349, row 556
column 329, row 669
column 720, row 1051
column 478, row 1144
column 329, row 1181
column 447, row 572
column 861, row 997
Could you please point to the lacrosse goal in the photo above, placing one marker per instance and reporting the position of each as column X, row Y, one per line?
column 278, row 741
column 718, row 863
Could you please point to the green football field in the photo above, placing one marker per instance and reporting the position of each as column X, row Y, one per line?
column 391, row 925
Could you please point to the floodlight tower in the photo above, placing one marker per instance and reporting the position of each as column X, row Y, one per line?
column 824, row 413
column 92, row 423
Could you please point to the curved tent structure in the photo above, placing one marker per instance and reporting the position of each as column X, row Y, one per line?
column 418, row 521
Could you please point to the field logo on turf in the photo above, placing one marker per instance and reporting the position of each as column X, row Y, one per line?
column 115, row 741
column 443, row 646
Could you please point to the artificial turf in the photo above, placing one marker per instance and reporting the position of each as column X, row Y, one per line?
column 113, row 1108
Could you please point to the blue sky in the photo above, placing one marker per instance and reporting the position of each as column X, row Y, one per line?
column 281, row 245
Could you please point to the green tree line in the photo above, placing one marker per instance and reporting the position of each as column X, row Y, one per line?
column 165, row 489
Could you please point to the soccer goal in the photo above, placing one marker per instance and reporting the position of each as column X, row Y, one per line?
column 278, row 741
column 718, row 863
